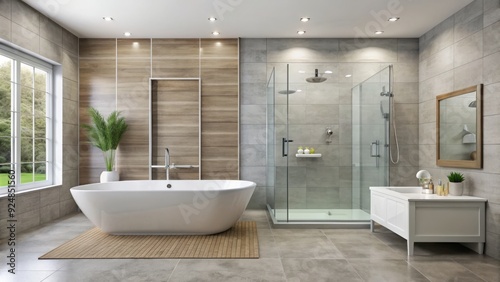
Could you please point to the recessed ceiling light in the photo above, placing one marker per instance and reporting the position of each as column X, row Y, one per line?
column 127, row 33
column 212, row 19
column 379, row 32
column 298, row 90
column 393, row 19
column 108, row 19
column 305, row 19
column 301, row 32
column 215, row 33
column 328, row 71
column 302, row 71
column 348, row 75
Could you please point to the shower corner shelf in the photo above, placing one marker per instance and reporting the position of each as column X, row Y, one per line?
column 308, row 155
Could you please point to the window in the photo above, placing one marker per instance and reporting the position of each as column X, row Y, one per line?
column 25, row 120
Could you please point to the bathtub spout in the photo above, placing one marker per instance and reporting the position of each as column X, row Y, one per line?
column 167, row 164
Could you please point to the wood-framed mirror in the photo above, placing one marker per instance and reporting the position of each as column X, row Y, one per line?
column 459, row 128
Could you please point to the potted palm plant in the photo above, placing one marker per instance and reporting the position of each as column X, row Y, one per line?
column 456, row 183
column 105, row 134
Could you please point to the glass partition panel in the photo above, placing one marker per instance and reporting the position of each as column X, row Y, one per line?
column 371, row 124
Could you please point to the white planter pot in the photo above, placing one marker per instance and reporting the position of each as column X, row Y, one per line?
column 456, row 188
column 109, row 176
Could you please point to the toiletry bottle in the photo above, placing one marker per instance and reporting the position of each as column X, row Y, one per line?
column 446, row 189
column 440, row 191
column 431, row 186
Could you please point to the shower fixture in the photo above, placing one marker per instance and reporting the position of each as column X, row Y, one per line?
column 289, row 91
column 472, row 104
column 385, row 114
column 384, row 93
column 316, row 78
column 329, row 133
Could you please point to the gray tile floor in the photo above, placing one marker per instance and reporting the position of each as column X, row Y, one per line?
column 286, row 255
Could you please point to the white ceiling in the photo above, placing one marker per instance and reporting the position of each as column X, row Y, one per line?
column 247, row 18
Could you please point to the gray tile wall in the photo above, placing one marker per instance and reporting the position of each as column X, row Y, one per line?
column 325, row 182
column 462, row 51
column 26, row 29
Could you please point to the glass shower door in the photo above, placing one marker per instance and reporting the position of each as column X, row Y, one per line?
column 277, row 144
column 371, row 120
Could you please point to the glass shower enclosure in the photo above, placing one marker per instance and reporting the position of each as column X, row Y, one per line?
column 348, row 130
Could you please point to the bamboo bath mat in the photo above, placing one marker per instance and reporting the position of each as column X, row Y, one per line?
column 240, row 241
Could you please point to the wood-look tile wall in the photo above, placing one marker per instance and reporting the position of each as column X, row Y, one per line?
column 176, row 125
column 114, row 74
column 219, row 109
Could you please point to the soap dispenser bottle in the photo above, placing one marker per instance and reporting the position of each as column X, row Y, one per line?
column 431, row 187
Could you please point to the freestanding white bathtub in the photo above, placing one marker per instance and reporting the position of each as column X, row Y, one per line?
column 178, row 207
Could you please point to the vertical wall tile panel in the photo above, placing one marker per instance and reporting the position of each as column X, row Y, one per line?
column 5, row 8
column 70, row 42
column 5, row 28
column 220, row 69
column 133, row 72
column 51, row 31
column 491, row 12
column 51, row 50
column 25, row 38
column 25, row 16
column 175, row 58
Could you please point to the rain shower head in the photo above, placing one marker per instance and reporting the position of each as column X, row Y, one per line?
column 289, row 91
column 316, row 78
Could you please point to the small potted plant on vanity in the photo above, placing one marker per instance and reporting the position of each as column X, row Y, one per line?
column 105, row 134
column 456, row 183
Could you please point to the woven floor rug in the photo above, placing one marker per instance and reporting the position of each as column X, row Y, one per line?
column 240, row 241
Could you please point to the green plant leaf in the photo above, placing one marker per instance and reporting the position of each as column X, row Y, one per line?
column 456, row 177
column 106, row 133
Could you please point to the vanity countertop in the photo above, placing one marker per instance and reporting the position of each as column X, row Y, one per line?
column 413, row 193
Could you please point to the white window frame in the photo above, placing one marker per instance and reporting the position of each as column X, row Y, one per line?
column 20, row 58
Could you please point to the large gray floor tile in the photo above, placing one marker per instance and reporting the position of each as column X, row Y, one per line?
column 443, row 270
column 307, row 247
column 433, row 250
column 229, row 270
column 486, row 268
column 30, row 261
column 114, row 270
column 368, row 250
column 25, row 275
column 297, row 232
column 378, row 270
column 268, row 247
column 350, row 238
column 317, row 270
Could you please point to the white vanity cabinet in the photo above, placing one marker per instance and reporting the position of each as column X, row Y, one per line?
column 421, row 217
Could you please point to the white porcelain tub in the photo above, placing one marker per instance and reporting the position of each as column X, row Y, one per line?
column 149, row 207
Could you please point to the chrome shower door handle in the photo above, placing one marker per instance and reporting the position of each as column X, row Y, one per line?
column 374, row 149
column 283, row 142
